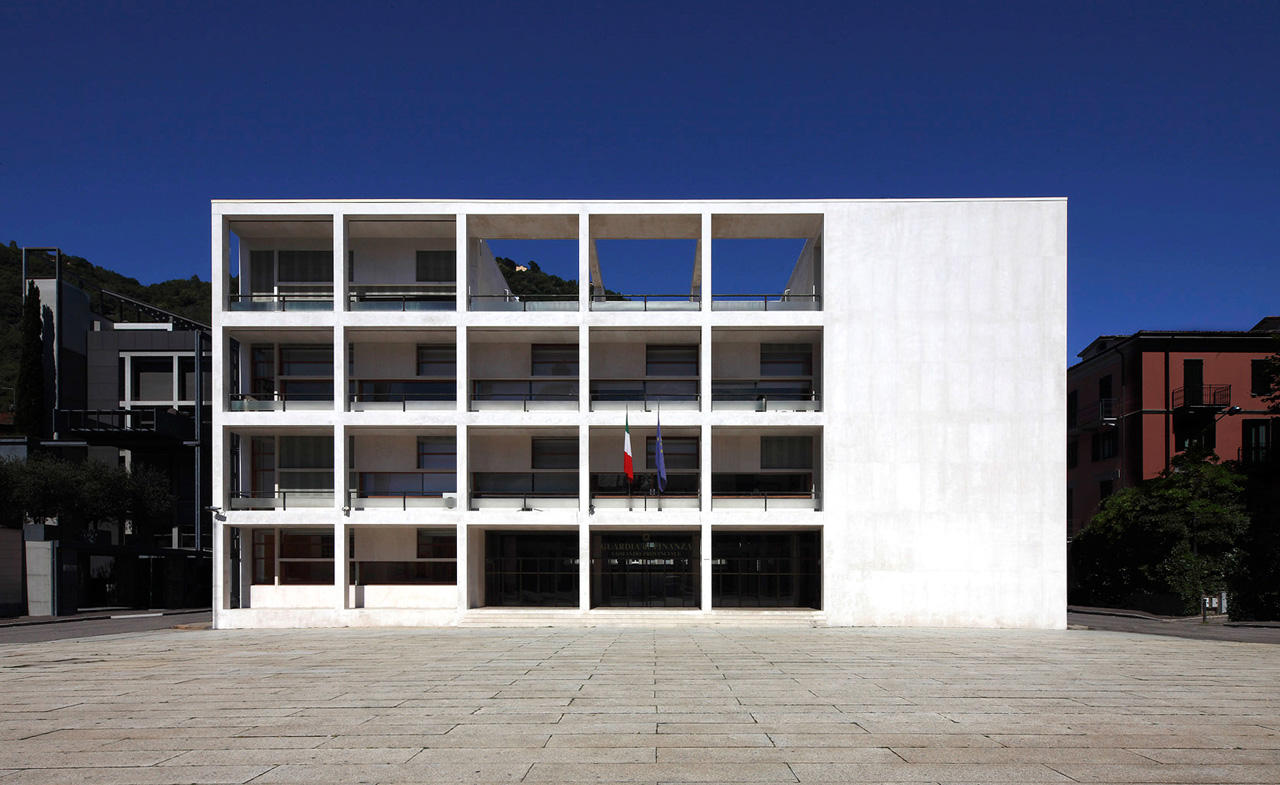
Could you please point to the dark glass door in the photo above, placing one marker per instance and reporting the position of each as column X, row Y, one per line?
column 766, row 570
column 538, row 569
column 639, row 570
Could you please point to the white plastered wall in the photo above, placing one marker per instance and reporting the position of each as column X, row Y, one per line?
column 945, row 387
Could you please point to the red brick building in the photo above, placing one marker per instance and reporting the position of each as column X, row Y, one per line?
column 1135, row 401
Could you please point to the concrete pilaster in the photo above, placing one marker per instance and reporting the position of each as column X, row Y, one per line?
column 339, row 266
column 705, row 260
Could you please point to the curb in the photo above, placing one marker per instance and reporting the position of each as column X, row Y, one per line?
column 1120, row 614
column 102, row 617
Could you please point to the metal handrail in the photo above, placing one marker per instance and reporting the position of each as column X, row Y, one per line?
column 281, row 301
column 277, row 397
column 777, row 297
column 643, row 384
column 108, row 419
column 1202, row 395
column 523, row 299
column 645, row 298
column 283, row 496
column 656, row 498
column 766, row 495
column 448, row 300
column 403, row 398
column 528, row 396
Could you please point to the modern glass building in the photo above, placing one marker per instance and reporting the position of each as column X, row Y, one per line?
column 871, row 434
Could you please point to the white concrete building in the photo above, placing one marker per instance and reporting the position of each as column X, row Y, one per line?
column 871, row 437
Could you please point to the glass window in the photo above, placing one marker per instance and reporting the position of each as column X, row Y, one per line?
column 555, row 453
column 187, row 379
column 679, row 452
column 437, row 360
column 1260, row 378
column 306, row 361
column 1073, row 408
column 306, row 452
column 786, row 452
column 305, row 266
column 262, row 271
column 439, row 453
column 306, row 544
column 264, row 556
column 554, row 359
column 1073, row 453
column 671, row 360
column 437, row 267
column 152, row 378
column 786, row 359
column 437, row 544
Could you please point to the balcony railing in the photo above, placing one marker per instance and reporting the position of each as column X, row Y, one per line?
column 400, row 498
column 649, row 302
column 761, row 396
column 292, row 301
column 656, row 502
column 280, row 500
column 612, row 491
column 675, row 394
column 766, row 302
column 765, row 500
column 403, row 402
column 524, row 302
column 525, row 394
column 524, row 490
column 1213, row 396
column 1256, row 454
column 372, row 297
column 1101, row 414
column 107, row 420
column 277, row 402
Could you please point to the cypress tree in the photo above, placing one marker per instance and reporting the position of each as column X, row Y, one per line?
column 28, row 409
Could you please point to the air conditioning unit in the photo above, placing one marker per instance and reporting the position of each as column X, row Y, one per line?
column 450, row 500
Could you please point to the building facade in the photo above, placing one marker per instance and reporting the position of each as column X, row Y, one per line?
column 401, row 439
column 1135, row 401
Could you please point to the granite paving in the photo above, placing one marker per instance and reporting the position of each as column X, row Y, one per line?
column 638, row 705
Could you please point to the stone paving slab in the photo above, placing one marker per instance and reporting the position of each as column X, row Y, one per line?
column 635, row 705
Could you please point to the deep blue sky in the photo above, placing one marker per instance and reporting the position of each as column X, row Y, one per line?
column 1160, row 121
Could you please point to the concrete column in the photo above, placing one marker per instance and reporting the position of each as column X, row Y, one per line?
column 460, row 360
column 704, row 483
column 340, row 574
column 221, row 569
column 704, row 368
column 584, row 405
column 340, row 369
column 339, row 265
column 584, row 262
column 462, row 284
column 341, row 502
column 704, row 553
column 464, row 568
column 128, row 377
column 464, row 476
column 584, row 566
column 705, row 260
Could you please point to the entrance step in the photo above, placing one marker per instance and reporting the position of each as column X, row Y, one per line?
column 641, row 617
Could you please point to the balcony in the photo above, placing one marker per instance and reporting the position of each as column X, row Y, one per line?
column 281, row 500
column 647, row 302
column 1202, row 396
column 402, row 395
column 524, row 395
column 1097, row 416
column 766, row 302
column 764, row 491
column 527, row 491
column 645, row 394
column 1256, row 455
column 524, row 302
column 306, row 300
column 765, row 395
column 281, row 402
column 611, row 491
column 402, row 297
column 404, row 490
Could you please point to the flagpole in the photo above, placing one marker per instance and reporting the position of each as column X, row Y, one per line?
column 627, row 420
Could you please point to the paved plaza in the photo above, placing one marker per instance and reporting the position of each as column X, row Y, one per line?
column 695, row 704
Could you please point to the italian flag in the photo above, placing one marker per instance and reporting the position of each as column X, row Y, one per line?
column 626, row 449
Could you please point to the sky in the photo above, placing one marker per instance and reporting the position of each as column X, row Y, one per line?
column 1160, row 122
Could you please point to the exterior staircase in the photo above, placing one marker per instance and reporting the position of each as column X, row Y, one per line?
column 642, row 617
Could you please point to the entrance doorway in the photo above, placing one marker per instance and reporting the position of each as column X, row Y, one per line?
column 766, row 569
column 642, row 570
column 531, row 569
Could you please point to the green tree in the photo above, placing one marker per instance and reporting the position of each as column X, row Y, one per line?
column 29, row 412
column 1163, row 543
